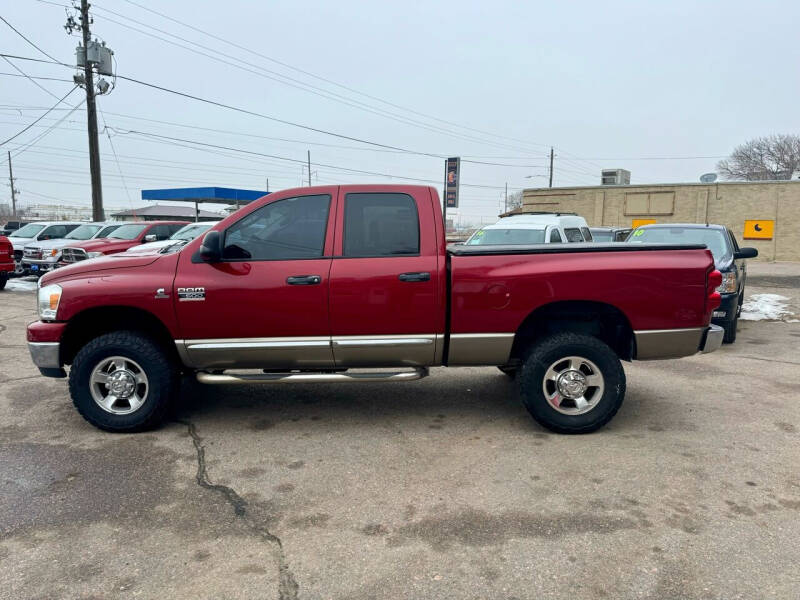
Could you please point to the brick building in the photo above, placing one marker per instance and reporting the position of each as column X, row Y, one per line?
column 768, row 211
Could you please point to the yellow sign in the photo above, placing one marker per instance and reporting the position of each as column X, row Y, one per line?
column 755, row 229
column 639, row 222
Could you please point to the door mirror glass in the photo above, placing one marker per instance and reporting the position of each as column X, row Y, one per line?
column 746, row 253
column 150, row 238
column 211, row 248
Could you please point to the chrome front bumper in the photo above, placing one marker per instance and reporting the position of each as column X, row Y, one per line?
column 45, row 355
column 713, row 339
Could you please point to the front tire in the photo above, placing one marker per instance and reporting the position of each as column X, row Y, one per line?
column 730, row 330
column 123, row 382
column 572, row 383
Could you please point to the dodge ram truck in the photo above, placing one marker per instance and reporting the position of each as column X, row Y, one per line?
column 355, row 283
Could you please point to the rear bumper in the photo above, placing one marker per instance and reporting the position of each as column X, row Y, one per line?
column 713, row 339
column 657, row 344
column 7, row 267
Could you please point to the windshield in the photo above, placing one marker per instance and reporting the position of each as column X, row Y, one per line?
column 107, row 230
column 127, row 232
column 28, row 231
column 190, row 232
column 84, row 232
column 602, row 236
column 712, row 238
column 494, row 237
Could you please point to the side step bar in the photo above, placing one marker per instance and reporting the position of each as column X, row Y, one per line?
column 245, row 378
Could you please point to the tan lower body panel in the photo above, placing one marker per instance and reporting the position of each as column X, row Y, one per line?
column 655, row 344
column 479, row 349
column 313, row 352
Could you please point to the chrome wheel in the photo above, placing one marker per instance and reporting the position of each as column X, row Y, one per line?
column 573, row 385
column 118, row 385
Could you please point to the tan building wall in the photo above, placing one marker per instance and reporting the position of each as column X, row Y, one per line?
column 729, row 203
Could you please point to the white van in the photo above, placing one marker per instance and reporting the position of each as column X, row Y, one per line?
column 533, row 228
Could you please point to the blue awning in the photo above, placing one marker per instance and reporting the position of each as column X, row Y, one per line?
column 219, row 195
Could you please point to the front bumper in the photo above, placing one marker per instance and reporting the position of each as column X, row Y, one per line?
column 727, row 310
column 38, row 266
column 44, row 346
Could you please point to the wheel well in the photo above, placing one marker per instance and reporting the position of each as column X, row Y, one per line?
column 91, row 323
column 600, row 320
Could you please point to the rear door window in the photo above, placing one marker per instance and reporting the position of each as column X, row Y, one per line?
column 587, row 235
column 555, row 237
column 378, row 224
column 573, row 234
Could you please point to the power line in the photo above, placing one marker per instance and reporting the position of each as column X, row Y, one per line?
column 34, row 77
column 326, row 80
column 19, row 33
column 4, row 142
column 31, row 79
column 35, row 140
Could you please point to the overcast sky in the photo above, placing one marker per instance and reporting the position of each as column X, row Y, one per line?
column 607, row 84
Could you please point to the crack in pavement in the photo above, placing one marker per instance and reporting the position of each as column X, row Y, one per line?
column 287, row 587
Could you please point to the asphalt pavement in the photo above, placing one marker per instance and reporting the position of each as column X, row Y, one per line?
column 441, row 488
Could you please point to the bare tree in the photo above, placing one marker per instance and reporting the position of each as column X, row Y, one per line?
column 514, row 200
column 764, row 158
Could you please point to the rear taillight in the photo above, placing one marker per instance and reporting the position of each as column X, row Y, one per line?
column 713, row 299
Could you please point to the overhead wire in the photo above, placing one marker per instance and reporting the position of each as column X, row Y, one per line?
column 26, row 128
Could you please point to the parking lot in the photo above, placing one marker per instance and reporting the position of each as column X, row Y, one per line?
column 442, row 488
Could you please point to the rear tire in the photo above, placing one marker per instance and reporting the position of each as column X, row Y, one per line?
column 572, row 383
column 144, row 376
column 3, row 280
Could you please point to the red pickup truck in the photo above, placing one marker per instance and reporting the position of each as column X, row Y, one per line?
column 306, row 284
column 6, row 260
column 122, row 238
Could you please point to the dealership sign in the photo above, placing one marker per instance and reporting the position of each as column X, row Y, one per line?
column 451, row 175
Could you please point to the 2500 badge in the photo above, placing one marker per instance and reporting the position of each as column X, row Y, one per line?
column 189, row 294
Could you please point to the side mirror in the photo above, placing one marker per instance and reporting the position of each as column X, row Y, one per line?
column 746, row 253
column 150, row 238
column 211, row 248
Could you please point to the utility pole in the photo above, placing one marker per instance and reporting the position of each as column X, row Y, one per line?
column 268, row 185
column 309, row 168
column 13, row 190
column 551, row 166
column 505, row 203
column 91, row 115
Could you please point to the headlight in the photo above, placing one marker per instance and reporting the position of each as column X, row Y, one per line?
column 54, row 252
column 49, row 298
column 93, row 254
column 728, row 283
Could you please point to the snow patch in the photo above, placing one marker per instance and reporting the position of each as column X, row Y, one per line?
column 765, row 307
column 23, row 284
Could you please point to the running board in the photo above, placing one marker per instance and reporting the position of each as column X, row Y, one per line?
column 245, row 378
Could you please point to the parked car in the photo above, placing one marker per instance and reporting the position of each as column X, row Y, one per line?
column 37, row 232
column 729, row 259
column 11, row 227
column 178, row 239
column 6, row 260
column 119, row 240
column 610, row 234
column 40, row 257
column 306, row 283
column 532, row 228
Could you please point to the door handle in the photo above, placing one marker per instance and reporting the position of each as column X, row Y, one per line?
column 420, row 276
column 304, row 280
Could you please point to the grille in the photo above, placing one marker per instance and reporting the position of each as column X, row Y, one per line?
column 71, row 255
column 35, row 253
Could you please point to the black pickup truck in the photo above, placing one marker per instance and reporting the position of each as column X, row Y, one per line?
column 729, row 259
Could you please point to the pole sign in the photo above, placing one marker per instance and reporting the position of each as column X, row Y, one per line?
column 452, row 168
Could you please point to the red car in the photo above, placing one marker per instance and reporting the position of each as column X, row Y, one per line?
column 305, row 284
column 6, row 260
column 121, row 239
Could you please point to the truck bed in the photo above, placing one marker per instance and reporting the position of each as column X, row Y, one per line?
column 477, row 250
